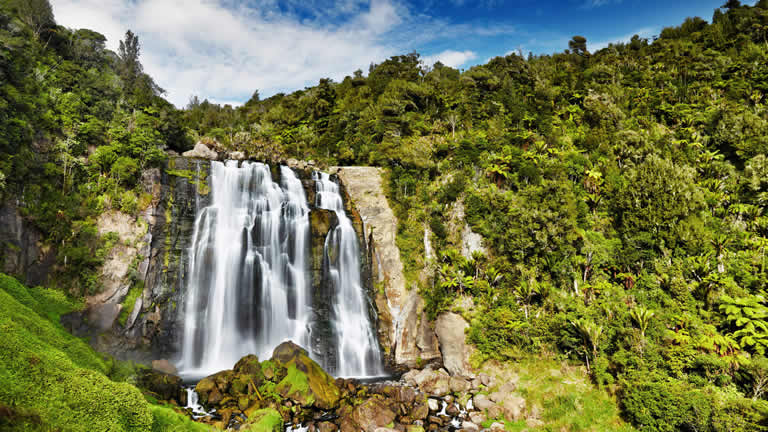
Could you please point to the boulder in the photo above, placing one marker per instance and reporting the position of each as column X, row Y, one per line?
column 201, row 151
column 497, row 427
column 326, row 426
column 434, row 405
column 166, row 386
column 477, row 417
column 264, row 420
column 433, row 383
column 248, row 365
column 420, row 411
column 495, row 412
column 469, row 426
column 305, row 382
column 164, row 366
column 236, row 155
column 450, row 329
column 482, row 402
column 514, row 407
column 368, row 416
column 459, row 385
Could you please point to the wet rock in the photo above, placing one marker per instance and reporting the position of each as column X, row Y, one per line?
column 371, row 414
column 164, row 366
column 165, row 386
column 450, row 329
column 452, row 410
column 305, row 382
column 249, row 365
column 420, row 411
column 435, row 420
column 201, row 151
column 434, row 405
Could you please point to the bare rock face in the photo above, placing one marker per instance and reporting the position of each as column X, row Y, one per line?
column 404, row 331
column 201, row 151
column 22, row 253
column 450, row 329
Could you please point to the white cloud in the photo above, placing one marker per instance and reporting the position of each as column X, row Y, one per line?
column 225, row 52
column 450, row 58
column 597, row 3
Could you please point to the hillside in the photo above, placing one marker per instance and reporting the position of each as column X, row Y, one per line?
column 619, row 197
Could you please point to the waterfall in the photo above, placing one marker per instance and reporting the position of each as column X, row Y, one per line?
column 357, row 348
column 248, row 285
column 247, row 288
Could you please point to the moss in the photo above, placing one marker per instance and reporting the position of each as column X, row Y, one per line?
column 165, row 419
column 264, row 420
column 130, row 301
column 45, row 370
column 295, row 385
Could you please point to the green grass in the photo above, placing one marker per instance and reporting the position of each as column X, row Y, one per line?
column 51, row 380
column 563, row 395
column 130, row 301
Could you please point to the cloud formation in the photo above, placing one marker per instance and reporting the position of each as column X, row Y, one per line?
column 450, row 58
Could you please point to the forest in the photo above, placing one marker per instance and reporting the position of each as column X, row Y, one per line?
column 622, row 194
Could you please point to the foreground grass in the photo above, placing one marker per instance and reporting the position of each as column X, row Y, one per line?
column 562, row 395
column 51, row 380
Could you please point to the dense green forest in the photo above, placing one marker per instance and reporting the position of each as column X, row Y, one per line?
column 622, row 194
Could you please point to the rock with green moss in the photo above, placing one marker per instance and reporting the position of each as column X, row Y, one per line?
column 163, row 386
column 374, row 413
column 306, row 382
column 264, row 420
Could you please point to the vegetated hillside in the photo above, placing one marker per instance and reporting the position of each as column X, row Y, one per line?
column 622, row 195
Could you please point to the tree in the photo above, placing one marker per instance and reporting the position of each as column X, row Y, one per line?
column 731, row 4
column 130, row 67
column 578, row 45
column 590, row 334
column 37, row 14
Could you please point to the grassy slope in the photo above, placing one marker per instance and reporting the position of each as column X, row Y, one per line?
column 563, row 395
column 50, row 379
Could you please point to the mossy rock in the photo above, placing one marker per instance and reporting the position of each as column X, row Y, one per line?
column 306, row 382
column 248, row 365
column 167, row 387
column 264, row 420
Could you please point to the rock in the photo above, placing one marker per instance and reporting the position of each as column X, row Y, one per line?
column 482, row 402
column 166, row 386
column 368, row 416
column 452, row 410
column 264, row 420
column 469, row 426
column 248, row 365
column 434, row 405
column 164, row 366
column 410, row 377
column 385, row 429
column 201, row 151
column 477, row 417
column 514, row 407
column 496, row 412
column 476, row 383
column 236, row 155
column 497, row 396
column 326, row 426
column 497, row 427
column 534, row 423
column 433, row 383
column 420, row 411
column 414, row 428
column 416, row 342
column 509, row 386
column 450, row 329
column 22, row 253
column 306, row 382
column 365, row 186
column 485, row 379
column 459, row 385
column 435, row 420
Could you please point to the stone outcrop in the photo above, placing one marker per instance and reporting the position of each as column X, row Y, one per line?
column 404, row 332
column 201, row 151
column 22, row 253
column 451, row 328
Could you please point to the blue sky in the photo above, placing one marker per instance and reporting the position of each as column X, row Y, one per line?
column 223, row 50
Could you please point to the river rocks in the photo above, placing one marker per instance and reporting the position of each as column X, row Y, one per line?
column 306, row 382
column 434, row 405
column 368, row 416
column 163, row 386
column 459, row 385
column 497, row 427
column 201, row 151
column 450, row 328
column 435, row 383
column 469, row 426
column 482, row 402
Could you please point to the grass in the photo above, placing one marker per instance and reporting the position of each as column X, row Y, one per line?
column 563, row 395
column 51, row 380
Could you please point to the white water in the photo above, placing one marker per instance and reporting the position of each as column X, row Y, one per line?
column 357, row 348
column 247, row 288
column 193, row 403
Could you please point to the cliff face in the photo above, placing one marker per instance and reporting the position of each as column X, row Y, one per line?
column 404, row 332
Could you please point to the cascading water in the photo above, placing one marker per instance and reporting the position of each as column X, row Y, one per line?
column 247, row 288
column 357, row 349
